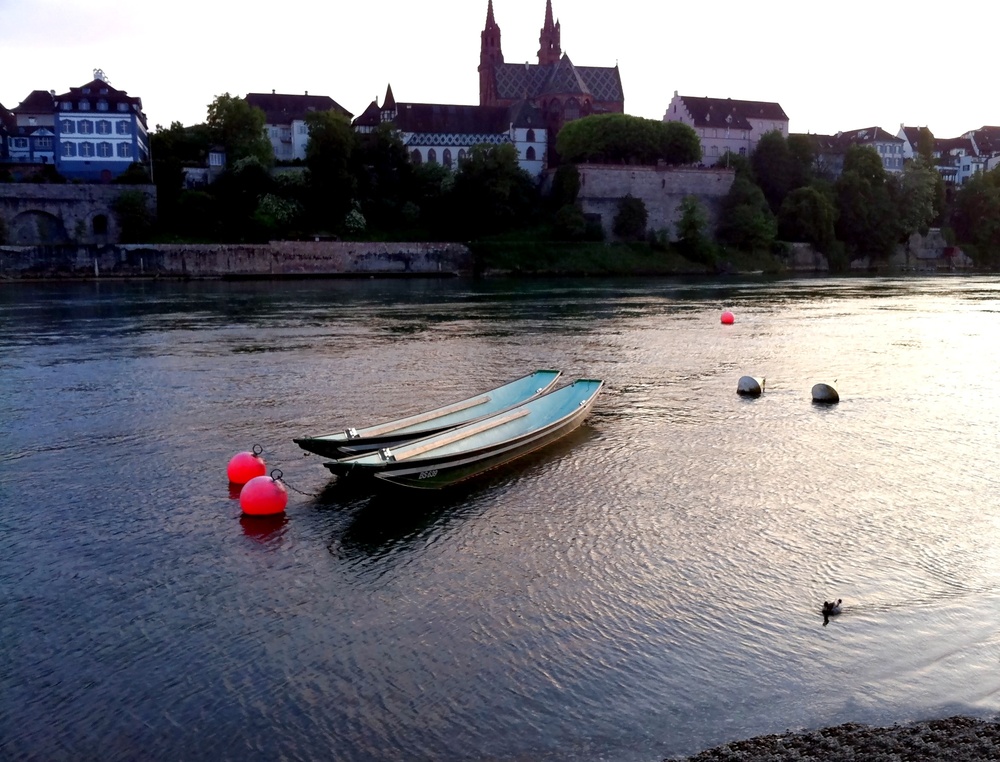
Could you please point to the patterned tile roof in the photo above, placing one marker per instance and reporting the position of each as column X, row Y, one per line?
column 527, row 80
column 736, row 114
column 280, row 108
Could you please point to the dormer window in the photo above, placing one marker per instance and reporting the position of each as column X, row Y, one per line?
column 102, row 105
column 66, row 106
column 86, row 91
column 84, row 106
column 123, row 107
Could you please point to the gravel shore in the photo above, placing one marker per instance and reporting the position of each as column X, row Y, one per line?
column 955, row 739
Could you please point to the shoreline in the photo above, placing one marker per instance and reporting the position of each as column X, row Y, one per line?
column 959, row 738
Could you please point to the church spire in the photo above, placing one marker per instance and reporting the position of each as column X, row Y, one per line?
column 490, row 56
column 549, row 48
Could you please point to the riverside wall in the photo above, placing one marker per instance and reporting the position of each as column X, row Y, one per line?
column 279, row 259
column 661, row 189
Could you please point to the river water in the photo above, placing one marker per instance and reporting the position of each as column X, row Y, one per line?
column 648, row 587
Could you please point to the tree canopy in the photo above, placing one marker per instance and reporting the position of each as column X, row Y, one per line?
column 239, row 128
column 624, row 139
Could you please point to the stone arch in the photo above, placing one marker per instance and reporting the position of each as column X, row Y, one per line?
column 37, row 227
column 530, row 153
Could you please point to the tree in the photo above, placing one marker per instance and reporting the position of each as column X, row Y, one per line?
column 491, row 192
column 239, row 128
column 808, row 215
column 692, row 239
column 385, row 179
column 630, row 220
column 802, row 150
column 330, row 168
column 624, row 139
column 866, row 220
column 915, row 191
column 925, row 145
column 239, row 191
column 773, row 168
column 976, row 217
column 746, row 220
column 135, row 220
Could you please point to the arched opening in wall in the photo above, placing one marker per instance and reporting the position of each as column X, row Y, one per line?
column 432, row 156
column 415, row 156
column 572, row 110
column 587, row 108
column 461, row 154
column 530, row 153
column 36, row 227
column 530, row 137
column 446, row 158
column 100, row 224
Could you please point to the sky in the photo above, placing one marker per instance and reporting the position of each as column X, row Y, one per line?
column 831, row 67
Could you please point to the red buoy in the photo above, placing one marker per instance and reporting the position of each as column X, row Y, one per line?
column 727, row 318
column 244, row 466
column 264, row 496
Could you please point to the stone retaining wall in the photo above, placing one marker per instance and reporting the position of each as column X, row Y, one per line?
column 278, row 259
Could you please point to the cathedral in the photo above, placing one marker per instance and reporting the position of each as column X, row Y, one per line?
column 561, row 90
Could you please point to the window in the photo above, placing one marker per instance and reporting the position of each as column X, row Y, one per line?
column 125, row 150
column 66, row 106
column 302, row 129
column 743, row 151
column 84, row 106
column 446, row 158
column 43, row 144
column 530, row 137
column 461, row 154
column 85, row 127
column 102, row 105
column 530, row 153
column 19, row 142
column 572, row 109
column 104, row 149
column 215, row 159
column 714, row 151
column 103, row 127
column 415, row 156
column 123, row 107
column 432, row 156
column 86, row 149
column 121, row 127
column 69, row 149
column 67, row 126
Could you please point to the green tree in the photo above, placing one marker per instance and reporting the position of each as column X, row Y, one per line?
column 802, row 150
column 624, row 139
column 630, row 220
column 773, row 168
column 693, row 241
column 808, row 215
column 925, row 145
column 746, row 220
column 239, row 191
column 976, row 217
column 491, row 193
column 915, row 191
column 239, row 128
column 385, row 177
column 330, row 167
column 135, row 219
column 866, row 220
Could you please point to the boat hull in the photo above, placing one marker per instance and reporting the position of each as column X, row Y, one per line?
column 390, row 434
column 467, row 451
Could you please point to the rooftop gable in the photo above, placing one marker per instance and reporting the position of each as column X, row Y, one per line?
column 37, row 102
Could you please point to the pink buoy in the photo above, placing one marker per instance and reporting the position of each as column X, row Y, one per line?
column 244, row 466
column 264, row 496
column 727, row 318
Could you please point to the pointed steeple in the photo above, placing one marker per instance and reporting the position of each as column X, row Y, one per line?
column 388, row 111
column 490, row 56
column 549, row 47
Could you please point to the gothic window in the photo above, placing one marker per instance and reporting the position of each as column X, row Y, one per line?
column 103, row 127
column 446, row 158
column 85, row 127
column 67, row 126
column 530, row 137
column 104, row 149
column 572, row 109
column 461, row 154
column 432, row 156
column 86, row 149
column 125, row 150
column 69, row 149
column 415, row 156
column 530, row 153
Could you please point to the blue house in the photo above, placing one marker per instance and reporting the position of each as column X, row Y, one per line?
column 99, row 131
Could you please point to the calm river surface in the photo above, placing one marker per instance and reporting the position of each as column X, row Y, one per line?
column 648, row 587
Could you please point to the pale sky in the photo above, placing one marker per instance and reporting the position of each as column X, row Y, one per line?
column 831, row 66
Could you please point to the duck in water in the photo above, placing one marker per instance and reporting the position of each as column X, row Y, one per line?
column 831, row 608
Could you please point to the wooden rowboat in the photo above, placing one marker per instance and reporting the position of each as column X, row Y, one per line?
column 352, row 441
column 458, row 454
